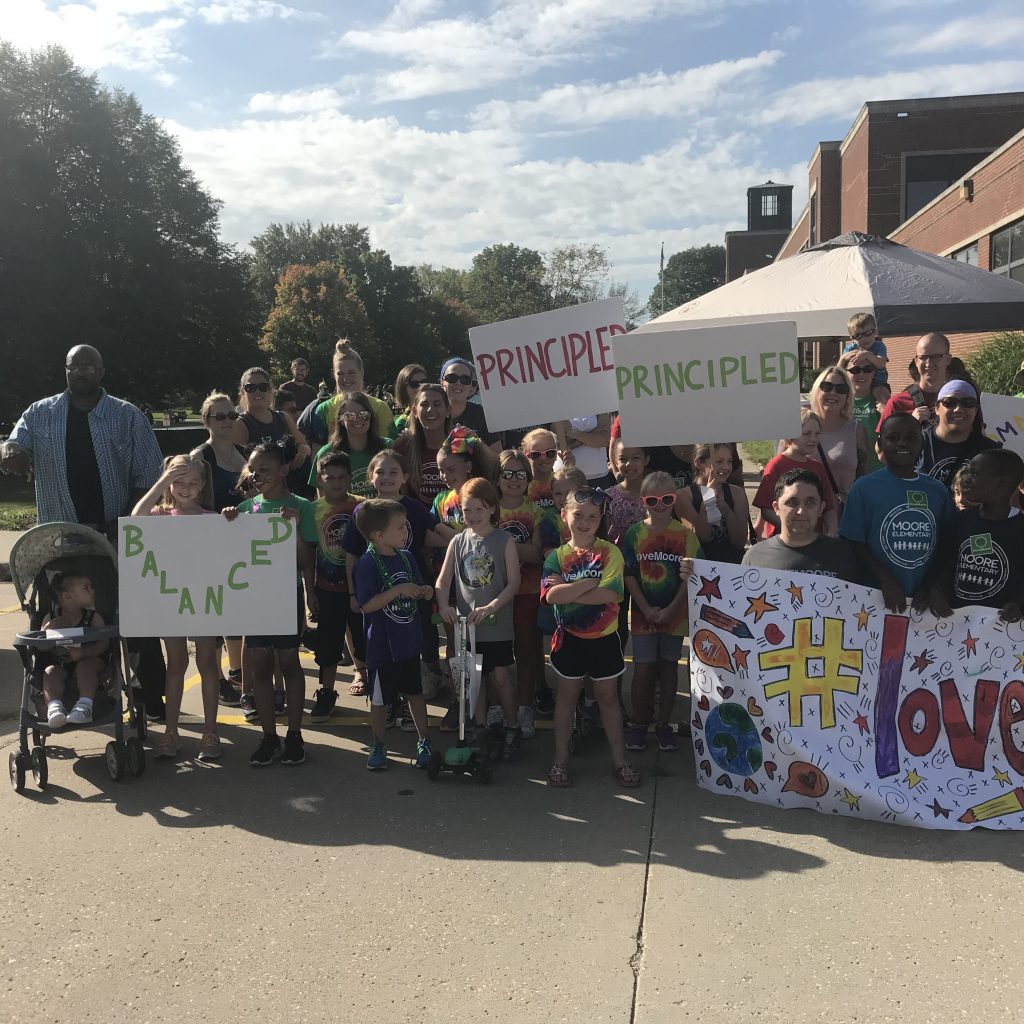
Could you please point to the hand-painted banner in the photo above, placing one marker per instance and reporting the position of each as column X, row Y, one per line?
column 204, row 576
column 548, row 366
column 808, row 693
column 1004, row 420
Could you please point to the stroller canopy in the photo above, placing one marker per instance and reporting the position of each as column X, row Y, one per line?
column 40, row 546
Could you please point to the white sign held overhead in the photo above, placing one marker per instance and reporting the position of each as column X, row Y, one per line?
column 548, row 366
column 731, row 383
column 1004, row 420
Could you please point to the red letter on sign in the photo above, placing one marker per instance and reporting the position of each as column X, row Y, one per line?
column 967, row 744
column 1008, row 718
column 919, row 742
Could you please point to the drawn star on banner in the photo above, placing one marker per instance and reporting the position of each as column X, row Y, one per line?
column 1020, row 660
column 862, row 617
column 796, row 593
column 921, row 662
column 851, row 801
column 936, row 808
column 759, row 606
column 1001, row 776
column 710, row 588
column 740, row 656
column 970, row 643
column 861, row 722
column 913, row 779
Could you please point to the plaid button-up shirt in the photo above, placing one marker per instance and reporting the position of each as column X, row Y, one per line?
column 126, row 452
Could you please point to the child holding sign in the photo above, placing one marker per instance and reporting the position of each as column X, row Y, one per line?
column 185, row 488
column 268, row 470
column 583, row 581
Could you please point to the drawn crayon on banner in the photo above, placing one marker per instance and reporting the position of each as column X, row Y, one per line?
column 1008, row 803
column 722, row 621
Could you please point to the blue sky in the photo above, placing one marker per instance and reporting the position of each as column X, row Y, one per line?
column 448, row 125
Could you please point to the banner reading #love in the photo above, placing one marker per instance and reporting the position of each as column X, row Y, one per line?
column 808, row 693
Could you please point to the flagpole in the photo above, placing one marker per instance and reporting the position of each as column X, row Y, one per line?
column 661, row 274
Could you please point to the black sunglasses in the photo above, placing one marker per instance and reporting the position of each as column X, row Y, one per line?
column 828, row 387
column 255, row 386
column 861, row 370
column 458, row 378
column 220, row 417
column 594, row 495
column 514, row 474
column 957, row 402
column 414, row 384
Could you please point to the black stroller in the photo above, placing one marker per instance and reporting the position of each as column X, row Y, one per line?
column 36, row 558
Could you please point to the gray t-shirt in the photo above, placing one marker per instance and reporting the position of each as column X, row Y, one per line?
column 481, row 577
column 824, row 556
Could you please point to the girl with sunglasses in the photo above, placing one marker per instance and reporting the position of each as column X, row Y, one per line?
column 409, row 380
column 458, row 378
column 658, row 555
column 355, row 434
column 540, row 447
column 956, row 436
column 865, row 408
column 843, row 444
column 259, row 421
column 521, row 518
column 583, row 581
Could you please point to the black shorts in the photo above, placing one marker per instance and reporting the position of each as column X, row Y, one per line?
column 599, row 659
column 392, row 678
column 285, row 641
column 495, row 653
column 334, row 617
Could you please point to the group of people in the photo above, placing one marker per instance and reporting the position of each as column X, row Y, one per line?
column 561, row 539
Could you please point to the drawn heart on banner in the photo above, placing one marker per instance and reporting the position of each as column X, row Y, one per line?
column 724, row 780
column 751, row 786
column 767, row 734
column 725, row 692
column 770, row 768
column 697, row 723
column 698, row 744
column 705, row 767
column 754, row 708
column 704, row 704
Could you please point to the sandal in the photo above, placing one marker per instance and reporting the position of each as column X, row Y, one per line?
column 558, row 775
column 627, row 776
column 357, row 688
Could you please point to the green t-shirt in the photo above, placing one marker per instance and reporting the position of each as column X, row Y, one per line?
column 865, row 412
column 360, row 486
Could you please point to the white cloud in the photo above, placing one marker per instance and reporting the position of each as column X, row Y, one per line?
column 841, row 98
column 788, row 34
column 650, row 95
column 298, row 101
column 520, row 37
column 984, row 32
column 223, row 11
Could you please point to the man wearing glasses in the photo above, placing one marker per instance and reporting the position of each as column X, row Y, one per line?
column 93, row 455
column 932, row 360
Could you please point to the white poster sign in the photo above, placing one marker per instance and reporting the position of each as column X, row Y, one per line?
column 204, row 576
column 808, row 693
column 734, row 383
column 548, row 366
column 1004, row 420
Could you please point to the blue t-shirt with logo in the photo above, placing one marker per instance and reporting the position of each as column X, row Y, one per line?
column 394, row 632
column 899, row 520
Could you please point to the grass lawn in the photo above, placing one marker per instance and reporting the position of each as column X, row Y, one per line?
column 17, row 503
column 759, row 451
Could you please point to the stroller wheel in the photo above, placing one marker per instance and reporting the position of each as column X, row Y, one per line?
column 17, row 769
column 135, row 756
column 434, row 764
column 37, row 738
column 115, row 761
column 40, row 771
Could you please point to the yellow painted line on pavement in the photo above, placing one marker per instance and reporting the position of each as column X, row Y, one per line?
column 13, row 608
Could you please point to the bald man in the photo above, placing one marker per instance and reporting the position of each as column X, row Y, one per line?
column 932, row 357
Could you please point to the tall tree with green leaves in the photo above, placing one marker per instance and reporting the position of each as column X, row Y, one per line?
column 507, row 281
column 688, row 275
column 107, row 239
column 576, row 273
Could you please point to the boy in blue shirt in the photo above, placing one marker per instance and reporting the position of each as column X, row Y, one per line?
column 893, row 518
column 388, row 584
column 864, row 338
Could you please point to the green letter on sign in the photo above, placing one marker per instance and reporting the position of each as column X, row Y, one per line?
column 132, row 540
column 149, row 565
column 185, row 603
column 259, row 554
column 215, row 600
column 231, row 577
column 281, row 527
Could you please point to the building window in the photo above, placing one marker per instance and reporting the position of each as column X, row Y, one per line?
column 812, row 220
column 929, row 175
column 770, row 204
column 968, row 255
column 1008, row 251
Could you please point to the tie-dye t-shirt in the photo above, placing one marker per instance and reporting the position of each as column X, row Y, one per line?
column 331, row 523
column 539, row 492
column 653, row 557
column 446, row 509
column 553, row 530
column 567, row 564
column 521, row 522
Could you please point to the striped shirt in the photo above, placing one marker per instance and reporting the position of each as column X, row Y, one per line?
column 127, row 454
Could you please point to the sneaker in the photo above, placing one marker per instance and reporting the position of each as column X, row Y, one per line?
column 209, row 747
column 424, row 752
column 378, row 759
column 408, row 725
column 323, row 705
column 430, row 678
column 450, row 722
column 495, row 716
column 228, row 694
column 80, row 714
column 294, row 749
column 666, row 739
column 525, row 723
column 56, row 716
column 280, row 705
column 512, row 744
column 636, row 737
column 544, row 699
column 267, row 752
column 247, row 702
column 235, row 678
column 166, row 746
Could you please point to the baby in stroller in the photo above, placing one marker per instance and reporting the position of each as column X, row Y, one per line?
column 75, row 597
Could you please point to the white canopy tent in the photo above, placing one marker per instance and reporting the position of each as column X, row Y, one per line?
column 909, row 292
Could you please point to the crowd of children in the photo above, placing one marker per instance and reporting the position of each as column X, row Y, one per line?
column 443, row 526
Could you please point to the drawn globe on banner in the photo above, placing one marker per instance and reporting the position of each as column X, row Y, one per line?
column 732, row 740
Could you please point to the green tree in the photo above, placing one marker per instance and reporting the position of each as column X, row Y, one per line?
column 994, row 365
column 445, row 283
column 107, row 239
column 688, row 275
column 634, row 311
column 315, row 306
column 575, row 274
column 507, row 281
